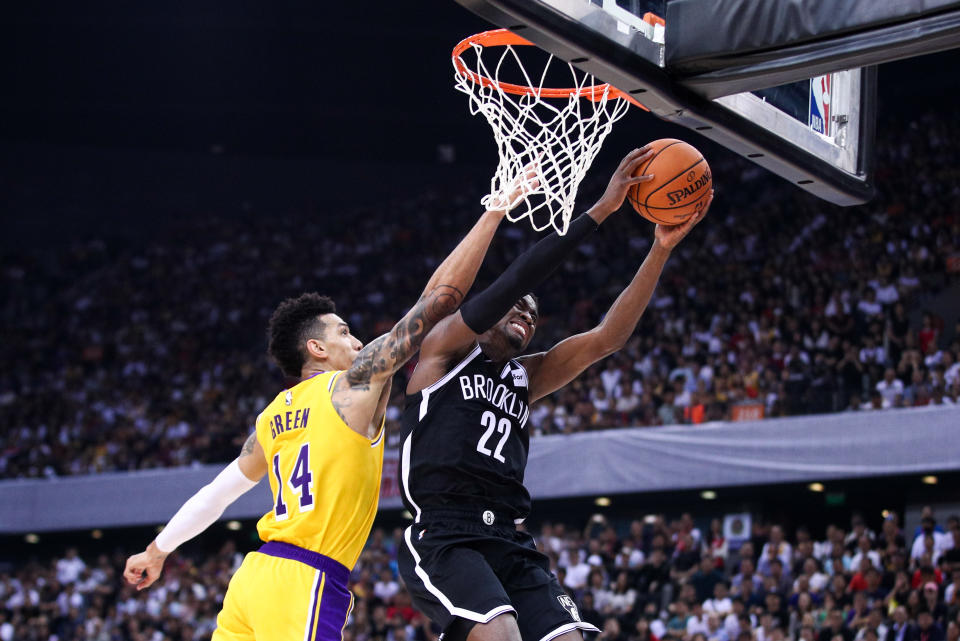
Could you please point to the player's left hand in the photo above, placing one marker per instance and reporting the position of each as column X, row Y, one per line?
column 144, row 569
column 669, row 236
column 621, row 182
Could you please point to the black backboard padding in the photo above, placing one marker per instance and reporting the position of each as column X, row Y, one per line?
column 709, row 35
column 751, row 71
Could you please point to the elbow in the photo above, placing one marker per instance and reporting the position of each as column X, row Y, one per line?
column 613, row 348
column 442, row 301
column 609, row 345
column 607, row 340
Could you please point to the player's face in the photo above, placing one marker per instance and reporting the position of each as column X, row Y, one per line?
column 341, row 346
column 519, row 324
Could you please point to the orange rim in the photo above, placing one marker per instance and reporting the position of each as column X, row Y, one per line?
column 504, row 37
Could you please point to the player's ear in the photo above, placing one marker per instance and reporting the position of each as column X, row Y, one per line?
column 317, row 349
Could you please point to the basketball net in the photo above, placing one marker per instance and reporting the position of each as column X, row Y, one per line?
column 556, row 132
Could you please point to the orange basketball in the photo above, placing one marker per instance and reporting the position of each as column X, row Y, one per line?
column 681, row 184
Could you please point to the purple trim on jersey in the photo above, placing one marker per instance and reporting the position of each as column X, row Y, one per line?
column 338, row 572
column 332, row 379
column 335, row 605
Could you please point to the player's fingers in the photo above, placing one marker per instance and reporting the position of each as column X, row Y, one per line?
column 703, row 212
column 132, row 573
column 148, row 580
column 638, row 162
column 633, row 155
column 640, row 179
column 690, row 223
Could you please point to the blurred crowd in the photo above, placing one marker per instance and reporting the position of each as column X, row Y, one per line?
column 650, row 579
column 150, row 354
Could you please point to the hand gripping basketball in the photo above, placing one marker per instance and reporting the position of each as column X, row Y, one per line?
column 623, row 180
column 670, row 235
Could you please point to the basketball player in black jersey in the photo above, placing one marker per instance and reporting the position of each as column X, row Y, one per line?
column 465, row 440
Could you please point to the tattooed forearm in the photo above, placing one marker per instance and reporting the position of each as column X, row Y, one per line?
column 442, row 301
column 365, row 364
column 385, row 355
column 248, row 446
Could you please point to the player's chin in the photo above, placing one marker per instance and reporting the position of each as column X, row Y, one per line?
column 517, row 343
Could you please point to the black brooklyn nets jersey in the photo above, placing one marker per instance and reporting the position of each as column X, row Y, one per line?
column 465, row 440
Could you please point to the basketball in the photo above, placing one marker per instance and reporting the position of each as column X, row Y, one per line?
column 681, row 184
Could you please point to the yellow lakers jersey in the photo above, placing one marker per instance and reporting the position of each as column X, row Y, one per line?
column 324, row 477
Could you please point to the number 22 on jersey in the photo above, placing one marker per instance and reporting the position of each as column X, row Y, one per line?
column 300, row 484
column 503, row 426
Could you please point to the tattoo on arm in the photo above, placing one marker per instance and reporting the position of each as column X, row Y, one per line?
column 248, row 446
column 388, row 353
column 442, row 301
column 341, row 402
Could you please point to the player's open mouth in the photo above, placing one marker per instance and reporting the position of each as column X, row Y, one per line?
column 520, row 327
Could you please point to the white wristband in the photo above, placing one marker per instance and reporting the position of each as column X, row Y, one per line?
column 204, row 507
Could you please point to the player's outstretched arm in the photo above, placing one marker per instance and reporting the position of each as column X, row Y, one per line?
column 199, row 512
column 551, row 370
column 456, row 334
column 357, row 396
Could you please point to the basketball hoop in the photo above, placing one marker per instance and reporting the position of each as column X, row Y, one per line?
column 558, row 132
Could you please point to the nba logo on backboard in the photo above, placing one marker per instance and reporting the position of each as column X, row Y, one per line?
column 820, row 104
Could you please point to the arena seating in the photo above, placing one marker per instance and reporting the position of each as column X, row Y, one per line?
column 640, row 580
column 141, row 356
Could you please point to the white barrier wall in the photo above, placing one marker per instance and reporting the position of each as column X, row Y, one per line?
column 810, row 448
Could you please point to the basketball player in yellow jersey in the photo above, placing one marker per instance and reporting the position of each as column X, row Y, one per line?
column 321, row 444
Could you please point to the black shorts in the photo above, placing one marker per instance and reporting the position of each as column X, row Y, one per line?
column 461, row 571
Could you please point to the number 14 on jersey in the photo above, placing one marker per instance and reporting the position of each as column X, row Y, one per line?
column 300, row 484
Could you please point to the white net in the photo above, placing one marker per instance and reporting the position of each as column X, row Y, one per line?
column 555, row 132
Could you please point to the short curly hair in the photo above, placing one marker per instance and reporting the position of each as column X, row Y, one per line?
column 295, row 321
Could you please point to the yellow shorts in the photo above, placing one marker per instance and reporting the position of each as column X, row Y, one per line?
column 285, row 593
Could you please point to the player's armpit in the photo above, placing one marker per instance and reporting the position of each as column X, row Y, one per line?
column 252, row 460
column 549, row 371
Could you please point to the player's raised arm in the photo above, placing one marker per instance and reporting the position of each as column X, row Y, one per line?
column 199, row 512
column 357, row 396
column 551, row 370
column 456, row 334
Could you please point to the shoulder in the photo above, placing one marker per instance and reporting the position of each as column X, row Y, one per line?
column 434, row 370
column 531, row 362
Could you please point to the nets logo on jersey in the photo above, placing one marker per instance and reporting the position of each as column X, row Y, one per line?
column 569, row 606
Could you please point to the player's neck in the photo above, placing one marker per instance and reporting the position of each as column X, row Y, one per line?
column 495, row 353
column 311, row 370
